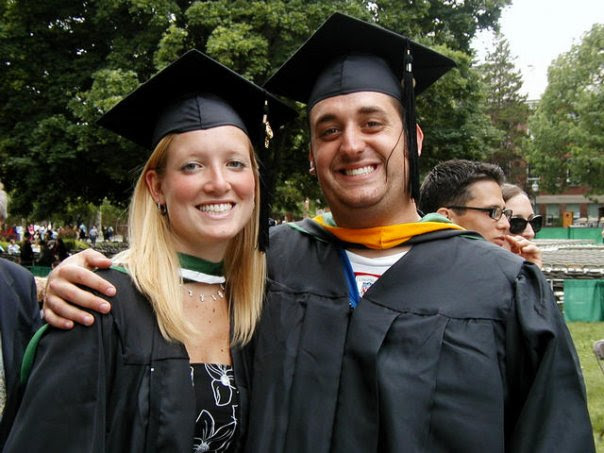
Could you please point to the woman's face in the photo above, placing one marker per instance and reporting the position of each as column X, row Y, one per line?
column 521, row 207
column 208, row 187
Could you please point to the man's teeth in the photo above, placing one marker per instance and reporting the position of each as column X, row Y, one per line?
column 222, row 207
column 359, row 171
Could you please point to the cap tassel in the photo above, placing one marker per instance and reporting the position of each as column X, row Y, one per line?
column 410, row 124
column 266, row 183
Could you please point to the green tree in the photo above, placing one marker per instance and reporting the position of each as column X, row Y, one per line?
column 64, row 63
column 453, row 116
column 568, row 126
column 507, row 108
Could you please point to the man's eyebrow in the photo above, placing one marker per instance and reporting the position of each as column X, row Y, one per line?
column 366, row 110
column 325, row 118
column 370, row 109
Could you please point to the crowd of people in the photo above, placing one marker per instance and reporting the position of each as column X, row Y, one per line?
column 45, row 246
column 407, row 318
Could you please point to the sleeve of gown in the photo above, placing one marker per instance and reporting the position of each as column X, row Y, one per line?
column 63, row 405
column 547, row 404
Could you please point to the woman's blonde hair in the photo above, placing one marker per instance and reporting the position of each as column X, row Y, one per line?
column 153, row 264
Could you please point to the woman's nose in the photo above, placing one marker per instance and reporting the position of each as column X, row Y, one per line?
column 217, row 182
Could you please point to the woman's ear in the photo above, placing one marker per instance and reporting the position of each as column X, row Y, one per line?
column 153, row 181
column 420, row 140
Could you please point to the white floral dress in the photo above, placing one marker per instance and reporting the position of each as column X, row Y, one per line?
column 217, row 403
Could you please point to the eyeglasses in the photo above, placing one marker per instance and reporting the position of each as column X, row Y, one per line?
column 518, row 224
column 494, row 213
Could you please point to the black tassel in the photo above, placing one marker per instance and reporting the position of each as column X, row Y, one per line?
column 266, row 182
column 410, row 124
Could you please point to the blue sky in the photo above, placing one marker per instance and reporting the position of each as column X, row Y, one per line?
column 540, row 30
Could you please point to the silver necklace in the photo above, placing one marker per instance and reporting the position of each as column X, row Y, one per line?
column 219, row 293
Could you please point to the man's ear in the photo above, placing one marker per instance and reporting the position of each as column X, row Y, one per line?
column 420, row 140
column 153, row 182
column 445, row 212
column 311, row 169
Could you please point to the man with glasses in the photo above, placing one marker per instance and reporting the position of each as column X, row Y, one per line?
column 469, row 194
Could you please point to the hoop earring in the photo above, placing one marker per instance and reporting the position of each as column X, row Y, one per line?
column 163, row 210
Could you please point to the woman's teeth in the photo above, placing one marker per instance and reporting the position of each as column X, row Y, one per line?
column 222, row 207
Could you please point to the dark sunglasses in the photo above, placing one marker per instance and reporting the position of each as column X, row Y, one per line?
column 494, row 213
column 518, row 224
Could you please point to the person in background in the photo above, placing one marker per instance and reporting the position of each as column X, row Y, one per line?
column 13, row 248
column 523, row 222
column 469, row 194
column 26, row 256
column 59, row 251
column 162, row 372
column 19, row 319
column 383, row 331
column 46, row 257
column 82, row 232
column 93, row 233
column 109, row 235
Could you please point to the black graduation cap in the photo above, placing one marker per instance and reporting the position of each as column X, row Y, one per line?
column 197, row 92
column 346, row 55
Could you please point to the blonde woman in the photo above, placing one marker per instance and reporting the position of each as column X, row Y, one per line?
column 160, row 373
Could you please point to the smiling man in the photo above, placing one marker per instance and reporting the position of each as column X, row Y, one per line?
column 383, row 331
column 362, row 186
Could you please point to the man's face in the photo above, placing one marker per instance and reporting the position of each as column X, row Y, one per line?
column 484, row 194
column 357, row 147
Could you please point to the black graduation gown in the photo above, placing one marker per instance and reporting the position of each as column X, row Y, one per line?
column 19, row 320
column 458, row 347
column 118, row 386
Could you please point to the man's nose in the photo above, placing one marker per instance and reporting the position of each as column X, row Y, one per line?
column 352, row 140
column 503, row 223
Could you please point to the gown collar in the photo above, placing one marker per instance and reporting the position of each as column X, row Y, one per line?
column 385, row 237
column 196, row 269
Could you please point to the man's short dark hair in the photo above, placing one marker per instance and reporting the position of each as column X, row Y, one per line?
column 448, row 183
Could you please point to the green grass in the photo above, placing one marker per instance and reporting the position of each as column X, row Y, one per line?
column 584, row 335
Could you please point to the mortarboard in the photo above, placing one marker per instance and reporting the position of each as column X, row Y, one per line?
column 197, row 92
column 346, row 55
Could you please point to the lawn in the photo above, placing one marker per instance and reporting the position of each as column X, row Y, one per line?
column 584, row 335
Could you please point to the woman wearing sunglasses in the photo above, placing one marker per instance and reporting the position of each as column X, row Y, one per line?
column 524, row 224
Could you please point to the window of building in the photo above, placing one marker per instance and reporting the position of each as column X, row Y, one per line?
column 552, row 214
column 576, row 210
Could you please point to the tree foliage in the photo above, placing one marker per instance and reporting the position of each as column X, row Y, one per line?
column 568, row 126
column 507, row 108
column 64, row 63
column 452, row 114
